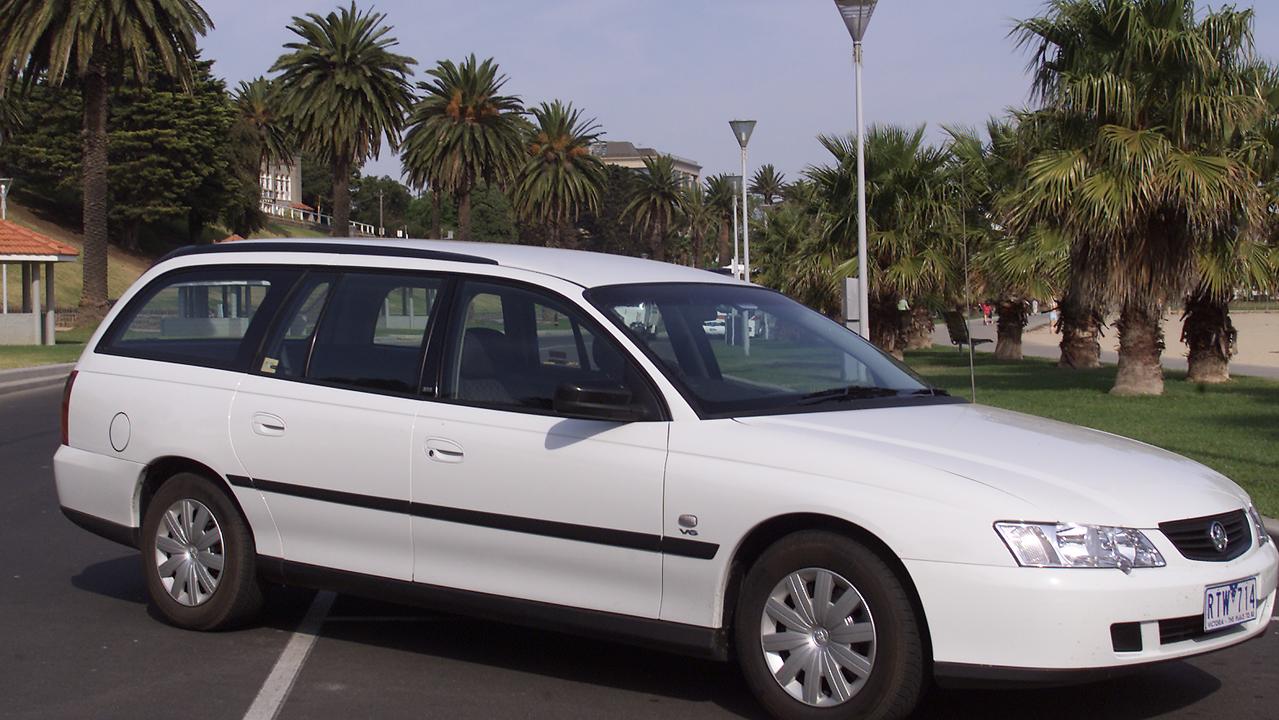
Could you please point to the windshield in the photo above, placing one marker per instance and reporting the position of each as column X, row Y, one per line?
column 735, row 350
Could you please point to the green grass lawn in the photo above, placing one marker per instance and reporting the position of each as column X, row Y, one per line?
column 1233, row 428
column 70, row 345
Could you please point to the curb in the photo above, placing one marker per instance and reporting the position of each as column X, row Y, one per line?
column 36, row 377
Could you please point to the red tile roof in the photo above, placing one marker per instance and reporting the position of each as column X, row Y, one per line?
column 18, row 240
column 233, row 237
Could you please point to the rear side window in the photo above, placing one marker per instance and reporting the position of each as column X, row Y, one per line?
column 207, row 317
column 363, row 331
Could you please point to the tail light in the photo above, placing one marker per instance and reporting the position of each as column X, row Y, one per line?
column 66, row 408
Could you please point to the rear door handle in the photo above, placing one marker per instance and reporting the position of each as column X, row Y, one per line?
column 268, row 424
column 441, row 450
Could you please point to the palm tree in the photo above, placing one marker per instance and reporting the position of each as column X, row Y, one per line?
column 90, row 43
column 258, row 106
column 768, row 184
column 342, row 90
column 561, row 177
column 1233, row 260
column 657, row 200
column 720, row 195
column 11, row 117
column 1143, row 181
column 699, row 218
column 463, row 131
column 1012, row 267
column 911, row 239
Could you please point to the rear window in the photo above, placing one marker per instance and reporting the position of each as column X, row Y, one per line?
column 198, row 317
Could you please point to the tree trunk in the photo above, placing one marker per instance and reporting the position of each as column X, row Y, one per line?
column 1141, row 345
column 93, row 139
column 1208, row 333
column 341, row 196
column 464, row 215
column 1012, row 320
column 657, row 247
column 1080, row 327
column 195, row 227
column 697, row 249
column 437, row 232
column 919, row 335
column 129, row 236
column 885, row 325
column 725, row 244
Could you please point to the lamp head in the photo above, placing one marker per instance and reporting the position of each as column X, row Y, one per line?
column 856, row 15
column 742, row 130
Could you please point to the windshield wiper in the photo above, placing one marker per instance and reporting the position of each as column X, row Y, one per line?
column 862, row 392
column 851, row 392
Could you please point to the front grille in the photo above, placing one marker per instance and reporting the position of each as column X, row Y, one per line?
column 1193, row 539
column 1181, row 629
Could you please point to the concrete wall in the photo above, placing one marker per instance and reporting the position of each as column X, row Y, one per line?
column 19, row 329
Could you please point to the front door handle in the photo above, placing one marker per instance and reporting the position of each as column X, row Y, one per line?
column 268, row 424
column 441, row 450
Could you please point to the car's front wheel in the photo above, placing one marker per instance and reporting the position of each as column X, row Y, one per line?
column 198, row 556
column 824, row 629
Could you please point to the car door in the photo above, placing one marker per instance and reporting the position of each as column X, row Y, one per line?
column 513, row 500
column 323, row 427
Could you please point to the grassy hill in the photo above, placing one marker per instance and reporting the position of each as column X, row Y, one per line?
column 122, row 268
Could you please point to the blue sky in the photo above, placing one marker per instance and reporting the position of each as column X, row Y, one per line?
column 671, row 73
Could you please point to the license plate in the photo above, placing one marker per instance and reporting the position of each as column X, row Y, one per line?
column 1230, row 604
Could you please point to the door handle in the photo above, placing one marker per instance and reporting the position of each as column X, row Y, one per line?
column 268, row 424
column 441, row 450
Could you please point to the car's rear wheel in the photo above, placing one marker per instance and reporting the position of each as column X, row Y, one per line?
column 198, row 556
column 824, row 629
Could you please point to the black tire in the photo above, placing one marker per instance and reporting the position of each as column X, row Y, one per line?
column 238, row 594
column 896, row 679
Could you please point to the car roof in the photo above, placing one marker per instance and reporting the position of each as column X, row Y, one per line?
column 588, row 269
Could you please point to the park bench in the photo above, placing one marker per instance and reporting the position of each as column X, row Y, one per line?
column 958, row 330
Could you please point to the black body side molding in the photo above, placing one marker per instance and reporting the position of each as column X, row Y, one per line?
column 692, row 640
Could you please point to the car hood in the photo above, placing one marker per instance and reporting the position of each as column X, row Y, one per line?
column 1069, row 473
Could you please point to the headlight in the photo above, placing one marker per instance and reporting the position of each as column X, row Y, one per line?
column 1072, row 545
column 1263, row 537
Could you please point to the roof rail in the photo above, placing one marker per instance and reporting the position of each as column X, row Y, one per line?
column 310, row 246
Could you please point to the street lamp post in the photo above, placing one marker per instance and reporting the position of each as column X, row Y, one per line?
column 742, row 130
column 735, row 182
column 5, row 184
column 856, row 15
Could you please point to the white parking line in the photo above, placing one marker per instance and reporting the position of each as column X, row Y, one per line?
column 276, row 688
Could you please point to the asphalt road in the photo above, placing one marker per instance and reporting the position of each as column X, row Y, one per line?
column 77, row 640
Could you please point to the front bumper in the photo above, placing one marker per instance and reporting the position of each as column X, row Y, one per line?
column 1048, row 625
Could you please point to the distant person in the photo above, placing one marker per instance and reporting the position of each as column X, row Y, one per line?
column 903, row 314
column 987, row 310
column 1052, row 320
column 1034, row 307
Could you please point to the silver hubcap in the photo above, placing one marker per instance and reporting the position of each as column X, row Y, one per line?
column 189, row 553
column 818, row 637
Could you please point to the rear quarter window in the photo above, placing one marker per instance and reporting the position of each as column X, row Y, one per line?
column 206, row 317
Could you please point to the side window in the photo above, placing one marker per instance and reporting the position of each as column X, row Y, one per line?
column 199, row 317
column 288, row 350
column 363, row 331
column 513, row 348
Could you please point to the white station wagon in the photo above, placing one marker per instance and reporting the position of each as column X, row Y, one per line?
column 557, row 438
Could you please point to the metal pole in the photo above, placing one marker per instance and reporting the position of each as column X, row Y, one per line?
column 746, row 225
column 862, row 276
column 381, row 227
column 4, row 200
column 735, row 274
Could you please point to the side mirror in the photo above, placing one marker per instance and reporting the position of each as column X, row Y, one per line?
column 595, row 402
